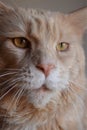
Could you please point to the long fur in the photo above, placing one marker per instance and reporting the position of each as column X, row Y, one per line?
column 24, row 102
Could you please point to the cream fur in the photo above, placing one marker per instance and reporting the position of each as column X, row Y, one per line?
column 30, row 106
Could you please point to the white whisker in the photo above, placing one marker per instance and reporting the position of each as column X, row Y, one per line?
column 11, row 69
column 6, row 74
column 10, row 80
column 7, row 92
column 11, row 84
column 15, row 99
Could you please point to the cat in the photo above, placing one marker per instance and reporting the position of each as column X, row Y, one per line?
column 42, row 69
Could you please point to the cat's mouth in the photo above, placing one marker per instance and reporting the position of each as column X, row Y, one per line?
column 43, row 88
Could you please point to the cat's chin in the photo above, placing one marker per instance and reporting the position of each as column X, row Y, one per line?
column 40, row 97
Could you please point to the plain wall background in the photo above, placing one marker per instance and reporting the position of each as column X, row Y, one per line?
column 54, row 5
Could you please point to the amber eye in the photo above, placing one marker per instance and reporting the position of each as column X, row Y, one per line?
column 21, row 42
column 63, row 46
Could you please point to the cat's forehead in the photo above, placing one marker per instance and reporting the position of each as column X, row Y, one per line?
column 26, row 22
column 39, row 22
column 37, row 14
column 46, row 25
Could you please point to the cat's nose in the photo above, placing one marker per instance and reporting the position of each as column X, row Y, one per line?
column 45, row 68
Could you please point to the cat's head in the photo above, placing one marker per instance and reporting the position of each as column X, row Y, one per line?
column 41, row 54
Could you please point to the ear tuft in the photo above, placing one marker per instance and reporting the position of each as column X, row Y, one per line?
column 2, row 5
column 79, row 19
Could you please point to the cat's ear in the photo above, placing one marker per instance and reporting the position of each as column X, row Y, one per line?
column 79, row 19
column 4, row 7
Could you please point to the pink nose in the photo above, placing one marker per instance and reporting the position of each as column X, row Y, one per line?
column 45, row 68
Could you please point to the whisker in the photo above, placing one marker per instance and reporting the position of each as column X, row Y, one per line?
column 11, row 69
column 7, row 92
column 6, row 74
column 19, row 95
column 15, row 99
column 4, row 115
column 11, row 84
column 7, row 81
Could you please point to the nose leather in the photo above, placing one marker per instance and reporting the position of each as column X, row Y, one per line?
column 45, row 68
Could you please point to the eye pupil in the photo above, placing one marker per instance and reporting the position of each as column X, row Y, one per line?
column 63, row 46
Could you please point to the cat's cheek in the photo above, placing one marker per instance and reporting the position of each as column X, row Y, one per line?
column 17, row 52
column 34, row 80
column 57, row 81
column 2, row 64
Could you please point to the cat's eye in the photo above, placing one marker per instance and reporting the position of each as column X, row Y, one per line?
column 63, row 46
column 21, row 42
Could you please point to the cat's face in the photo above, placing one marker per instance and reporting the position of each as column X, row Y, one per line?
column 40, row 54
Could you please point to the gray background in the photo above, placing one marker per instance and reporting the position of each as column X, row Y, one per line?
column 54, row 5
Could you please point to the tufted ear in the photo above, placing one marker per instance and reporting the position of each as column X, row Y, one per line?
column 11, row 21
column 4, row 7
column 78, row 19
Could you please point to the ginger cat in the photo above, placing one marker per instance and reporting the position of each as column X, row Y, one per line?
column 42, row 70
